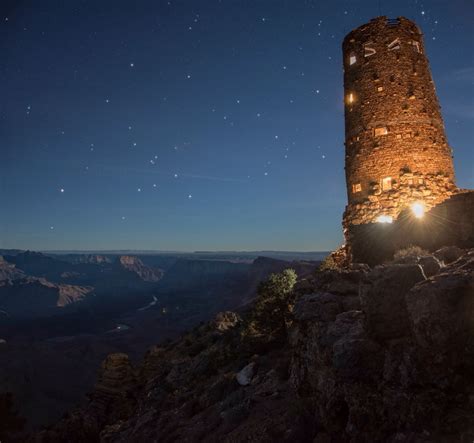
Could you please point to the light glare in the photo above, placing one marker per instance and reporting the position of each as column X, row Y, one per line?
column 384, row 219
column 418, row 209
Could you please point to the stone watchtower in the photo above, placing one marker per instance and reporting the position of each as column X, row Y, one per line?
column 397, row 155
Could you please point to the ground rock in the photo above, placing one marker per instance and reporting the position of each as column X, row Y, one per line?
column 244, row 377
column 441, row 312
column 448, row 254
column 383, row 299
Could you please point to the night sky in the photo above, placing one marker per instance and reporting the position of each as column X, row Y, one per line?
column 195, row 125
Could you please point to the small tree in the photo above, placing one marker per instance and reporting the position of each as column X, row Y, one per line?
column 273, row 307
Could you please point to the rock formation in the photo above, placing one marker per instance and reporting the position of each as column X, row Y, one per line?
column 382, row 354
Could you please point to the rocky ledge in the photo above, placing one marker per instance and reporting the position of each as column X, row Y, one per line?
column 372, row 355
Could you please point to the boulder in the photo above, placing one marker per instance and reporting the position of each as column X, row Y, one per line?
column 383, row 299
column 226, row 320
column 319, row 306
column 448, row 254
column 357, row 358
column 430, row 265
column 347, row 324
column 441, row 312
column 244, row 377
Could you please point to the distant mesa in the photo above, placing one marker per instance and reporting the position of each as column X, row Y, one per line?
column 135, row 265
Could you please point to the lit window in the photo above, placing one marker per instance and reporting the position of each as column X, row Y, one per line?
column 356, row 188
column 386, row 184
column 380, row 89
column 352, row 59
column 384, row 219
column 350, row 98
column 394, row 45
column 416, row 47
column 368, row 50
column 380, row 131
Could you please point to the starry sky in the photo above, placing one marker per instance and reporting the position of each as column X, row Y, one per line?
column 195, row 124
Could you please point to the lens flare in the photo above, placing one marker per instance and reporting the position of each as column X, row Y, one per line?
column 384, row 219
column 418, row 209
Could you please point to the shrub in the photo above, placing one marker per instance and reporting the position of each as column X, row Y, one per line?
column 409, row 254
column 273, row 307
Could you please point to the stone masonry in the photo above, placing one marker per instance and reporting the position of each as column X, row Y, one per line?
column 396, row 147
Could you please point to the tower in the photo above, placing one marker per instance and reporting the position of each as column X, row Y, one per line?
column 397, row 156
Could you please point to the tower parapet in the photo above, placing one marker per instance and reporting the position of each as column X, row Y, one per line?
column 397, row 154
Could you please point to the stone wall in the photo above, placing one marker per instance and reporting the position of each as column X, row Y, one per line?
column 447, row 224
column 394, row 128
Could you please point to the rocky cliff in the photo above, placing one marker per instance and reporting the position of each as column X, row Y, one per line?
column 383, row 354
column 135, row 265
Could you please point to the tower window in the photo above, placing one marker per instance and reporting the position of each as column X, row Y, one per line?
column 352, row 59
column 380, row 131
column 380, row 89
column 416, row 46
column 350, row 98
column 394, row 45
column 356, row 188
column 368, row 50
column 386, row 184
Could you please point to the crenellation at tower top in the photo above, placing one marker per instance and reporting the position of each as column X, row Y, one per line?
column 397, row 154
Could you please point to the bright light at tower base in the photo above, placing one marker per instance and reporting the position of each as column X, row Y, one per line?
column 384, row 219
column 418, row 209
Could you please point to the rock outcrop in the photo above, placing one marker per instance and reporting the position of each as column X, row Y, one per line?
column 135, row 265
column 372, row 355
column 31, row 296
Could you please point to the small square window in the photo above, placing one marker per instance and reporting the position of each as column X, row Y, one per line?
column 386, row 184
column 380, row 131
column 350, row 98
column 352, row 59
column 356, row 188
column 380, row 89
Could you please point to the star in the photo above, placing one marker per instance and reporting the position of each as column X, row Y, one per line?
column 123, row 217
column 154, row 185
column 51, row 227
column 190, row 196
column 176, row 176
column 61, row 190
column 265, row 174
column 139, row 189
column 129, row 128
column 132, row 65
column 188, row 76
column 106, row 100
column 422, row 12
column 258, row 114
